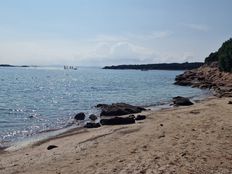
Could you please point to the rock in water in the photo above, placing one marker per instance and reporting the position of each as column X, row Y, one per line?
column 92, row 125
column 51, row 147
column 79, row 116
column 118, row 121
column 140, row 117
column 118, row 109
column 181, row 101
column 93, row 117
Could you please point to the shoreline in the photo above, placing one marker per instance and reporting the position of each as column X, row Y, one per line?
column 192, row 139
column 53, row 133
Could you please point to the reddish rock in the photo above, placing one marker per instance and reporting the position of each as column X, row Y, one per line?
column 207, row 77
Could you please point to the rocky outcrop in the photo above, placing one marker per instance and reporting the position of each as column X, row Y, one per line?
column 118, row 121
column 79, row 116
column 181, row 101
column 208, row 77
column 118, row 109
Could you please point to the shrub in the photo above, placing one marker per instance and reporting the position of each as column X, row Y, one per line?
column 225, row 56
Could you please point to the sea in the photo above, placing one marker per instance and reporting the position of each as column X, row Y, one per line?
column 34, row 100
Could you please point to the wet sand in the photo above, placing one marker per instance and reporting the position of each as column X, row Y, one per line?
column 193, row 139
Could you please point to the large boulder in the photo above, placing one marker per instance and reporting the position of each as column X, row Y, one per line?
column 118, row 121
column 79, row 116
column 181, row 101
column 117, row 109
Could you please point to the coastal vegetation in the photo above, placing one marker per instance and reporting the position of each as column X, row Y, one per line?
column 223, row 56
column 215, row 74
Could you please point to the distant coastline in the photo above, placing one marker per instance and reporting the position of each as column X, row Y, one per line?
column 8, row 65
column 161, row 66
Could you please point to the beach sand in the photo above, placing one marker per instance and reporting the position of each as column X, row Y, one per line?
column 193, row 139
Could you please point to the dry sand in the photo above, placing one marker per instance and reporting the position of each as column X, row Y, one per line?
column 194, row 139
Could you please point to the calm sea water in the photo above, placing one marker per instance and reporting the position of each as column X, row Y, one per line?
column 33, row 100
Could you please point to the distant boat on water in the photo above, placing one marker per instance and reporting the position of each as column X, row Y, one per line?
column 70, row 67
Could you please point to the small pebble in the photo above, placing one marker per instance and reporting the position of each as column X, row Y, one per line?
column 51, row 147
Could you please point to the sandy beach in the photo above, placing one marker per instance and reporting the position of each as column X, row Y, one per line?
column 193, row 139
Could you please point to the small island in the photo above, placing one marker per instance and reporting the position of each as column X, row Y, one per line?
column 160, row 66
column 8, row 65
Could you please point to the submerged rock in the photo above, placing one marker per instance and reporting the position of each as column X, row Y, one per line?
column 118, row 121
column 92, row 125
column 79, row 116
column 118, row 109
column 181, row 101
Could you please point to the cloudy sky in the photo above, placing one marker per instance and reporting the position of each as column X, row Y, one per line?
column 105, row 32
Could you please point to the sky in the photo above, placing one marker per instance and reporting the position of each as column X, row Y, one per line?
column 111, row 32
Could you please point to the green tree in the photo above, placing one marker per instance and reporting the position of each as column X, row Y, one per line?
column 225, row 56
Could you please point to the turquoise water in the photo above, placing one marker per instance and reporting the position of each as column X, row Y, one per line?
column 33, row 100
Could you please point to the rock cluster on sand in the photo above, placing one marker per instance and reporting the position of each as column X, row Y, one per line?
column 117, row 109
column 114, row 110
column 208, row 76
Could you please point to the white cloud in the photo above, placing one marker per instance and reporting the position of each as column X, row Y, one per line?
column 160, row 34
column 198, row 27
column 101, row 50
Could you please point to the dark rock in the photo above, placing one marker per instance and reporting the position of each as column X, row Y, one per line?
column 230, row 102
column 92, row 125
column 117, row 109
column 181, row 101
column 51, row 147
column 79, row 116
column 140, row 117
column 161, row 125
column 93, row 117
column 117, row 121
